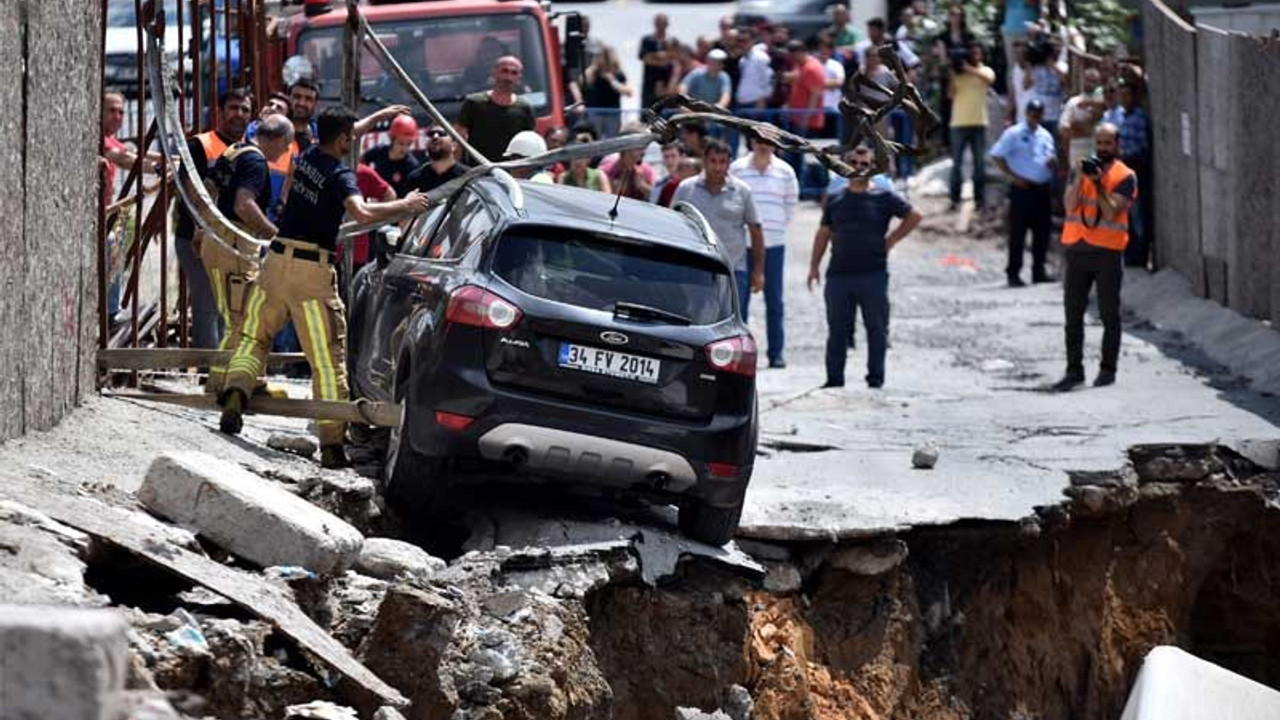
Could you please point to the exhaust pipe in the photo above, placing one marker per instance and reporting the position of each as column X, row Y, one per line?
column 658, row 479
column 516, row 455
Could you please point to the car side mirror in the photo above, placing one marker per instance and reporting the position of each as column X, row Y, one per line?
column 386, row 242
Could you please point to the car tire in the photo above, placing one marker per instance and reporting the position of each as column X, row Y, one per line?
column 707, row 523
column 414, row 483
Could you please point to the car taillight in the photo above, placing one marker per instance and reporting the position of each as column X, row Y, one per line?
column 453, row 421
column 735, row 355
column 722, row 470
column 470, row 305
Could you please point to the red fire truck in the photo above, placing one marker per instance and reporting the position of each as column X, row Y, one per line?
column 447, row 46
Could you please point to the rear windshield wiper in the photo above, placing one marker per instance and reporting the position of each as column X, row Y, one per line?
column 635, row 311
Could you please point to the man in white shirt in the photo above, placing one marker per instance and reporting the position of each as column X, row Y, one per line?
column 835, row 84
column 775, row 190
column 755, row 82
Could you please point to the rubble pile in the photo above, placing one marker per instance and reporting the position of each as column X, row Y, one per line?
column 1044, row 618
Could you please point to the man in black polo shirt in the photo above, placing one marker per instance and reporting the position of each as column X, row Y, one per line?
column 244, row 191
column 856, row 225
column 298, row 280
column 442, row 165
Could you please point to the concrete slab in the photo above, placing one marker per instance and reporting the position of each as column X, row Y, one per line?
column 968, row 370
column 248, row 515
column 1175, row 685
column 58, row 662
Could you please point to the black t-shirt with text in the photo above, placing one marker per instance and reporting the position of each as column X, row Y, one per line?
column 242, row 166
column 859, row 222
column 321, row 186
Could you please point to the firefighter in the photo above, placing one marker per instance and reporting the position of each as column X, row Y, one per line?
column 298, row 280
column 242, row 178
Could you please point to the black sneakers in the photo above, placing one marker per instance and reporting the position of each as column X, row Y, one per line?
column 1068, row 382
column 232, row 421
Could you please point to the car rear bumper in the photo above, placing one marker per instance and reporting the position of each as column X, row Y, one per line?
column 578, row 443
column 614, row 462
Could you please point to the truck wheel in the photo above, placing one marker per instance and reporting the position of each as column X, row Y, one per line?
column 708, row 524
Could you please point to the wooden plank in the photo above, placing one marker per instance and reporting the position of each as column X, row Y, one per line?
column 162, row 358
column 247, row 590
column 358, row 411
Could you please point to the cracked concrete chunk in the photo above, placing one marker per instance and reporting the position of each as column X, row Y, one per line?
column 875, row 559
column 389, row 559
column 295, row 444
column 738, row 704
column 320, row 710
column 61, row 662
column 696, row 714
column 248, row 515
column 783, row 578
column 925, row 457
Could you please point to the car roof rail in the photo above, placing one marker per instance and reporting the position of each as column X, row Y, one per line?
column 699, row 220
column 514, row 191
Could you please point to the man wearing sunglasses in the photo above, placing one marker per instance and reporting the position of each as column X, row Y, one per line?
column 442, row 162
column 855, row 224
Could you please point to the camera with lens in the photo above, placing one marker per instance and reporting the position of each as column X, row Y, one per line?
column 1091, row 165
column 958, row 56
column 1039, row 49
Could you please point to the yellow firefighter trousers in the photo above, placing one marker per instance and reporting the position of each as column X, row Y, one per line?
column 305, row 291
column 230, row 275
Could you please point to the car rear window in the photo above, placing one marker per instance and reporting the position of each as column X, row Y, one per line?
column 598, row 272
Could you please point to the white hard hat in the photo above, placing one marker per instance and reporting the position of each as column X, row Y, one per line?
column 525, row 144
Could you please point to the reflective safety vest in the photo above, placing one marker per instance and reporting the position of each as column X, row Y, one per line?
column 1085, row 221
column 212, row 144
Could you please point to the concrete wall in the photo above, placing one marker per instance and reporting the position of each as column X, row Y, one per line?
column 49, row 138
column 1214, row 96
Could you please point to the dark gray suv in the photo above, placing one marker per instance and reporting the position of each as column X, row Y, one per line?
column 524, row 325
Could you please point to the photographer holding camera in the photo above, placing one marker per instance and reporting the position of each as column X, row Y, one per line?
column 970, row 80
column 1100, row 191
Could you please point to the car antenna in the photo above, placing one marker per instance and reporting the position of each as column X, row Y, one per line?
column 613, row 212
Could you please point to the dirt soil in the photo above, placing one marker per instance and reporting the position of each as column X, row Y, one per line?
column 996, row 623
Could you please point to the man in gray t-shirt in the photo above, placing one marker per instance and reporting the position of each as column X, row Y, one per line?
column 726, row 203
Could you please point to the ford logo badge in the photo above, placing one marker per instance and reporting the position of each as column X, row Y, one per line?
column 614, row 338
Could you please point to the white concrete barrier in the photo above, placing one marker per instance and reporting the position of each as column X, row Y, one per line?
column 1175, row 685
column 248, row 515
column 58, row 662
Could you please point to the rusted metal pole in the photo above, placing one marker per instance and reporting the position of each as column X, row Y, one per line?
column 226, row 40
column 197, row 39
column 162, row 334
column 142, row 150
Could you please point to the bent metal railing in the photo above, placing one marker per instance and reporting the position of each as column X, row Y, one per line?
column 215, row 41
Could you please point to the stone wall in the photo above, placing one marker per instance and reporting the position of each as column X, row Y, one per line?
column 1213, row 95
column 49, row 137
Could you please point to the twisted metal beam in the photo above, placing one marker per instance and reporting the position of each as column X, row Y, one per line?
column 173, row 143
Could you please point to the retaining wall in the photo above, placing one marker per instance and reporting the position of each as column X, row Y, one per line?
column 49, row 137
column 1217, row 172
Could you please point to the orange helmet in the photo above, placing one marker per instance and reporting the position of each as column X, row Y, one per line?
column 404, row 127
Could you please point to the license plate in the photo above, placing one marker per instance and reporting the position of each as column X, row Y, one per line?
column 609, row 362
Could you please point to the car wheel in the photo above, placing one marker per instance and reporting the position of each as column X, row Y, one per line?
column 414, row 482
column 709, row 524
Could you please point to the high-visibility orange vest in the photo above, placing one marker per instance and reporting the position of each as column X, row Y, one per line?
column 213, row 145
column 1085, row 221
